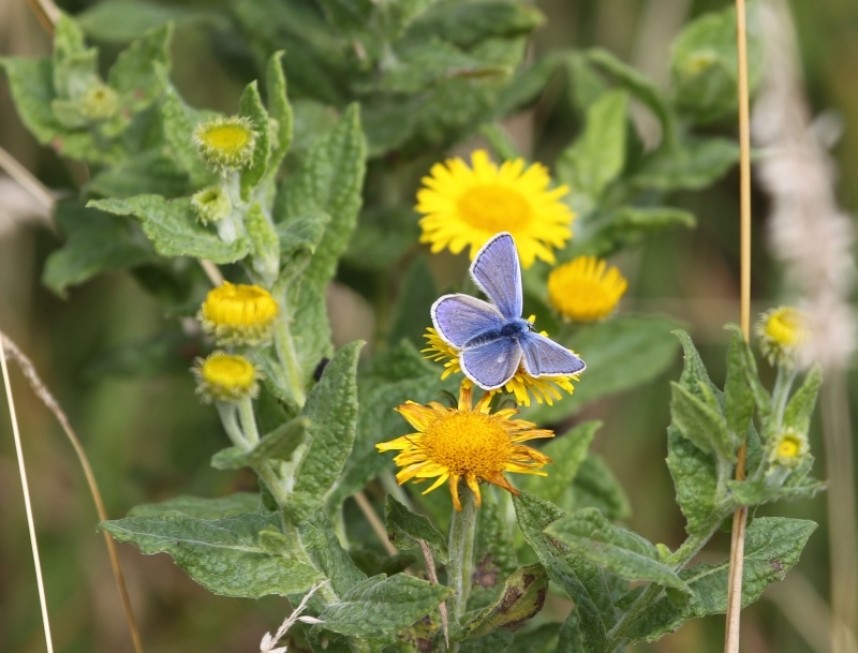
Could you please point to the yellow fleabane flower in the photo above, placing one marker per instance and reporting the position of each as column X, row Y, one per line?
column 465, row 206
column 789, row 448
column 239, row 314
column 465, row 442
column 224, row 377
column 226, row 142
column 585, row 289
column 782, row 332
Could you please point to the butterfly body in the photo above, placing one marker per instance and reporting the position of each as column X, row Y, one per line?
column 493, row 338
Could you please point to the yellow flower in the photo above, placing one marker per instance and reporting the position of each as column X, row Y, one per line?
column 789, row 449
column 100, row 102
column 239, row 314
column 544, row 389
column 585, row 289
column 464, row 442
column 465, row 206
column 224, row 377
column 782, row 332
column 226, row 142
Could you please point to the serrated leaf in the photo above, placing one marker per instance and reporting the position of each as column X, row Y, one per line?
column 638, row 85
column 694, row 378
column 597, row 156
column 95, row 243
column 332, row 413
column 521, row 598
column 223, row 555
column 568, row 451
column 690, row 165
column 596, row 486
column 772, row 547
column 172, row 227
column 279, row 444
column 379, row 607
column 330, row 180
column 704, row 65
column 201, row 507
column 738, row 393
column 696, row 482
column 702, row 423
column 799, row 408
column 251, row 107
column 581, row 581
column 742, row 360
column 280, row 111
column 405, row 530
column 322, row 545
column 620, row 551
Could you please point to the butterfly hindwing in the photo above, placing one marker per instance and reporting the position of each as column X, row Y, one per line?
column 544, row 357
column 491, row 364
column 459, row 318
column 498, row 274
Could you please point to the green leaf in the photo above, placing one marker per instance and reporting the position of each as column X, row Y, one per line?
column 251, row 107
column 800, row 406
column 704, row 65
column 694, row 378
column 624, row 553
column 406, row 529
column 498, row 641
column 701, row 423
column 690, row 165
column 772, row 547
column 696, row 483
column 567, row 451
column 756, row 493
column 738, row 393
column 638, row 85
column 383, row 236
column 95, row 243
column 627, row 225
column 280, row 111
column 279, row 444
column 172, row 227
column 584, row 584
column 332, row 411
column 329, row 180
column 597, row 156
column 201, row 507
column 126, row 20
column 322, row 545
column 224, row 554
column 416, row 294
column 467, row 23
column 140, row 72
column 596, row 486
column 145, row 173
column 521, row 599
column 379, row 607
column 179, row 122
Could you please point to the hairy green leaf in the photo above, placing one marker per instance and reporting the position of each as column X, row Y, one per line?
column 567, row 451
column 279, row 444
column 690, row 165
column 521, row 598
column 701, row 423
column 405, row 529
column 696, row 482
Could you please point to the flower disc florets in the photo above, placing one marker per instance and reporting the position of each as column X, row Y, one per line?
column 782, row 332
column 99, row 102
column 467, row 443
column 226, row 142
column 239, row 314
column 225, row 377
column 789, row 448
column 585, row 289
column 211, row 204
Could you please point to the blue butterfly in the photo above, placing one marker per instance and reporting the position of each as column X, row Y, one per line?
column 494, row 339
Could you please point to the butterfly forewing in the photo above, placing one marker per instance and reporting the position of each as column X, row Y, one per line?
column 544, row 357
column 458, row 318
column 496, row 271
column 491, row 364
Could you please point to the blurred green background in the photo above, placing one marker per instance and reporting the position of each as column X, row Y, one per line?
column 148, row 438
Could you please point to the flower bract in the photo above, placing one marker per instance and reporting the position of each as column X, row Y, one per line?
column 239, row 314
column 211, row 204
column 463, row 206
column 585, row 289
column 226, row 142
column 225, row 377
column 470, row 443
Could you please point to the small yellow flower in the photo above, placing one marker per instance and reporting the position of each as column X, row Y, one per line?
column 544, row 389
column 468, row 443
column 465, row 206
column 239, row 314
column 226, row 142
column 211, row 204
column 789, row 449
column 100, row 102
column 782, row 332
column 585, row 289
column 224, row 377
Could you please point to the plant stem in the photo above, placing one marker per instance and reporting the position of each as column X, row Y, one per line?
column 460, row 569
column 288, row 356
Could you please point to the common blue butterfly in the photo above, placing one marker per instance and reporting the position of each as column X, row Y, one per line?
column 492, row 338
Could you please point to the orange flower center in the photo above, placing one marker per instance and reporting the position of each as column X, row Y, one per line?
column 468, row 443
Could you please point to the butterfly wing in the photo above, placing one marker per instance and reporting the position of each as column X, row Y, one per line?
column 491, row 364
column 498, row 274
column 544, row 357
column 459, row 318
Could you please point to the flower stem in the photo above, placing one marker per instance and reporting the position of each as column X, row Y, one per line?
column 460, row 569
column 289, row 359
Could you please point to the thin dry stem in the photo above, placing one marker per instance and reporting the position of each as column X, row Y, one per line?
column 374, row 522
column 27, row 181
column 740, row 517
column 28, row 508
column 47, row 13
column 429, row 560
column 47, row 398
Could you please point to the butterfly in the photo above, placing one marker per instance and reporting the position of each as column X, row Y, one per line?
column 492, row 338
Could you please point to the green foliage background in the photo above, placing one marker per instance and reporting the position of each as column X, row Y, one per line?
column 137, row 427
